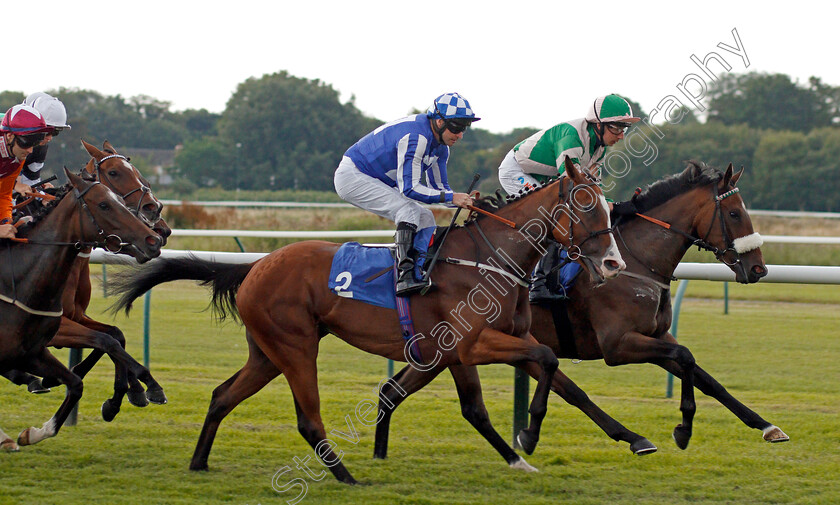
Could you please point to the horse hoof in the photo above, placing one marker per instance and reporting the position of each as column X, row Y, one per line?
column 774, row 435
column 642, row 447
column 682, row 436
column 199, row 466
column 526, row 442
column 523, row 465
column 156, row 396
column 137, row 398
column 9, row 445
column 110, row 409
column 37, row 387
column 23, row 438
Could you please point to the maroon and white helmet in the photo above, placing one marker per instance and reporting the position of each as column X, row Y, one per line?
column 23, row 120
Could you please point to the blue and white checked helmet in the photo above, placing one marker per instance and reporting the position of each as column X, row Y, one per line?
column 451, row 106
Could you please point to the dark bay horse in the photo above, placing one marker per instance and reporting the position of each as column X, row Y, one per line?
column 476, row 314
column 628, row 319
column 33, row 274
column 77, row 330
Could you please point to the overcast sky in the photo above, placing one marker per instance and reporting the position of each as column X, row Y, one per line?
column 523, row 63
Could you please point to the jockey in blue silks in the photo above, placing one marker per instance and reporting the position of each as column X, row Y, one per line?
column 383, row 173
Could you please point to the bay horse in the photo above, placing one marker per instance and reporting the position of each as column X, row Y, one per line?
column 285, row 304
column 628, row 319
column 32, row 278
column 77, row 330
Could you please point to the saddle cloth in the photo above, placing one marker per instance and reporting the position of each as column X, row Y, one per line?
column 354, row 274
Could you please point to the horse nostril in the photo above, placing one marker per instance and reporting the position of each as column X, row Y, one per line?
column 612, row 265
column 154, row 241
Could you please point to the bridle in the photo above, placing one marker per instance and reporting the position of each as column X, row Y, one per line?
column 701, row 243
column 146, row 190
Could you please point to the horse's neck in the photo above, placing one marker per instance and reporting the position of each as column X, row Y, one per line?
column 40, row 271
column 533, row 218
column 647, row 244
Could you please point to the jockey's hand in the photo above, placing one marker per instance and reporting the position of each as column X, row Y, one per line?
column 7, row 231
column 22, row 188
column 462, row 200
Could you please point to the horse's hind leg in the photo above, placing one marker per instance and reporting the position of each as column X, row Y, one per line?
column 47, row 365
column 257, row 372
column 406, row 382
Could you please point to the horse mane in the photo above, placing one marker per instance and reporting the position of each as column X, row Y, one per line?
column 696, row 174
column 43, row 210
column 492, row 203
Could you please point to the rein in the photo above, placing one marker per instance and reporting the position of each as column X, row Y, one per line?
column 701, row 243
column 574, row 249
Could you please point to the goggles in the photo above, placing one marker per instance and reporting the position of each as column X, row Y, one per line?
column 617, row 128
column 457, row 127
column 29, row 141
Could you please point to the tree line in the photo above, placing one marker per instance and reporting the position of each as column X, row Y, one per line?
column 281, row 132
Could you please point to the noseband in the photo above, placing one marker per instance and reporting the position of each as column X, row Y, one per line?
column 574, row 250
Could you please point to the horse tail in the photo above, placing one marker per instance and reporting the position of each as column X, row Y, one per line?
column 223, row 278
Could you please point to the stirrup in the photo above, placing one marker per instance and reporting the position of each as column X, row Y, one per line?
column 541, row 294
column 410, row 286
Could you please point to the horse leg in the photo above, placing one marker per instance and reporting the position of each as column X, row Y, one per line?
column 19, row 378
column 257, row 372
column 472, row 408
column 7, row 443
column 47, row 365
column 575, row 396
column 493, row 346
column 135, row 372
column 633, row 347
column 406, row 382
column 711, row 387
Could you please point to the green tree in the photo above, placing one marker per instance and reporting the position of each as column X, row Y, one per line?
column 766, row 101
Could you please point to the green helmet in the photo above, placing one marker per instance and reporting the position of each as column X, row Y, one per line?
column 611, row 109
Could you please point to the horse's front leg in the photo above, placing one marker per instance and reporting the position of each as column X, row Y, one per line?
column 406, row 382
column 493, row 346
column 711, row 387
column 574, row 395
column 47, row 365
column 634, row 347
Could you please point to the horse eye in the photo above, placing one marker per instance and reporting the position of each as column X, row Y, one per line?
column 734, row 214
column 104, row 205
column 113, row 173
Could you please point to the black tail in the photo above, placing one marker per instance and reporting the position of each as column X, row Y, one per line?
column 224, row 278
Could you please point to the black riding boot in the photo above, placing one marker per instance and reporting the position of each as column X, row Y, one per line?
column 539, row 286
column 406, row 259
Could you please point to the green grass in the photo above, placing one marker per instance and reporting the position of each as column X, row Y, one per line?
column 780, row 358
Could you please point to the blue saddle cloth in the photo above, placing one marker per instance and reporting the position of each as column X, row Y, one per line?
column 562, row 280
column 354, row 274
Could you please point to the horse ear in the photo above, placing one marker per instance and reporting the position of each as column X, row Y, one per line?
column 727, row 177
column 737, row 176
column 93, row 151
column 74, row 179
column 571, row 169
column 90, row 167
column 108, row 147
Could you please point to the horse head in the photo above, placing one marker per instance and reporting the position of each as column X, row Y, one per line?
column 115, row 171
column 106, row 221
column 587, row 236
column 729, row 231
